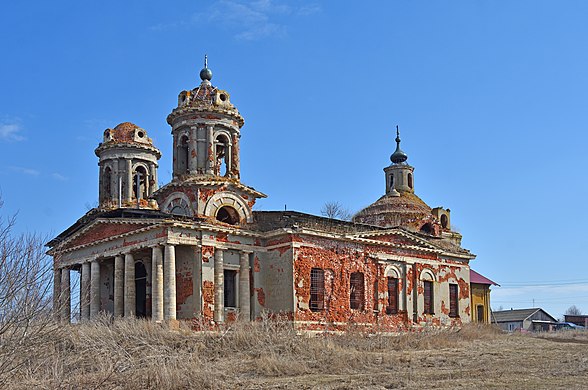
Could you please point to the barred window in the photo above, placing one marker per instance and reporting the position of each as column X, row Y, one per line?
column 317, row 289
column 392, row 307
column 453, row 303
column 428, row 297
column 356, row 291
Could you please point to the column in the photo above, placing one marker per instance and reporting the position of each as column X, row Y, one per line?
column 157, row 284
column 129, row 289
column 85, row 292
column 94, row 289
column 154, row 185
column 169, row 283
column 129, row 188
column 56, row 294
column 219, row 286
column 244, row 299
column 114, row 181
column 193, row 151
column 65, row 294
column 210, row 147
column 119, row 282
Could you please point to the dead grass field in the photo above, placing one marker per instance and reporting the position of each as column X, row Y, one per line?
column 269, row 355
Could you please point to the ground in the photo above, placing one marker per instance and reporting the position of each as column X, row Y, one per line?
column 267, row 354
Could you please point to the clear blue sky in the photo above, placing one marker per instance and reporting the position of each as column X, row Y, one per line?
column 491, row 99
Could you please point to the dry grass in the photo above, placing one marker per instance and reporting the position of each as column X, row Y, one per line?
column 269, row 354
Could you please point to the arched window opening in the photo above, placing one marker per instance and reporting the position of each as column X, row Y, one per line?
column 106, row 180
column 391, row 182
column 140, row 183
column 182, row 155
column 228, row 215
column 444, row 221
column 222, row 155
column 140, row 290
column 428, row 228
column 356, row 291
column 392, row 304
column 410, row 180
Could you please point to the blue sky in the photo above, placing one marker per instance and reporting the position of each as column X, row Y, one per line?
column 491, row 99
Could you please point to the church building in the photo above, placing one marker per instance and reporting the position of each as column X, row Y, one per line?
column 195, row 250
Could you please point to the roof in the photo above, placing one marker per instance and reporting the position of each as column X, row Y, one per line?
column 480, row 279
column 405, row 210
column 514, row 315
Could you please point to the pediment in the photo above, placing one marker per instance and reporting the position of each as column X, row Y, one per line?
column 100, row 230
column 396, row 237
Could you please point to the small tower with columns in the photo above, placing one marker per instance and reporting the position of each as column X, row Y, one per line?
column 206, row 130
column 399, row 175
column 128, row 168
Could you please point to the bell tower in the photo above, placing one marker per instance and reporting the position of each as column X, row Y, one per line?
column 128, row 168
column 206, row 131
column 399, row 175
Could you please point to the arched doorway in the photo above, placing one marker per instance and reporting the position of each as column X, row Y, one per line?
column 141, row 290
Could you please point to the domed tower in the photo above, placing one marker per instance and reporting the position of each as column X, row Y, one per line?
column 206, row 166
column 399, row 206
column 128, row 168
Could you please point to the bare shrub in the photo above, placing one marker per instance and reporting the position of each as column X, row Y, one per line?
column 25, row 282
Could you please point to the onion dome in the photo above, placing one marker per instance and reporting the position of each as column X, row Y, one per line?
column 398, row 157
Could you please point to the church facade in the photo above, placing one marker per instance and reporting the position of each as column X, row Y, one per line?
column 195, row 250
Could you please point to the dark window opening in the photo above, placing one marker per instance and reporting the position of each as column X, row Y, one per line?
column 230, row 288
column 410, row 180
column 444, row 221
column 356, row 291
column 428, row 292
column 140, row 290
column 228, row 215
column 317, row 289
column 140, row 183
column 392, row 307
column 391, row 182
column 427, row 228
column 480, row 312
column 182, row 155
column 453, row 300
column 223, row 97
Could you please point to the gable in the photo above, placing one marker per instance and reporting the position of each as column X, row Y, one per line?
column 101, row 230
column 396, row 237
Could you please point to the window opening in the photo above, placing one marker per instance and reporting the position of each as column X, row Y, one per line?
column 444, row 221
column 182, row 155
column 229, row 215
column 392, row 307
column 222, row 155
column 410, row 180
column 453, row 303
column 480, row 312
column 107, row 177
column 428, row 292
column 317, row 289
column 230, row 288
column 140, row 183
column 356, row 291
column 140, row 290
column 391, row 182
column 427, row 228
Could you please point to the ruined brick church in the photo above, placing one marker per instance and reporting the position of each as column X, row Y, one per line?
column 194, row 249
